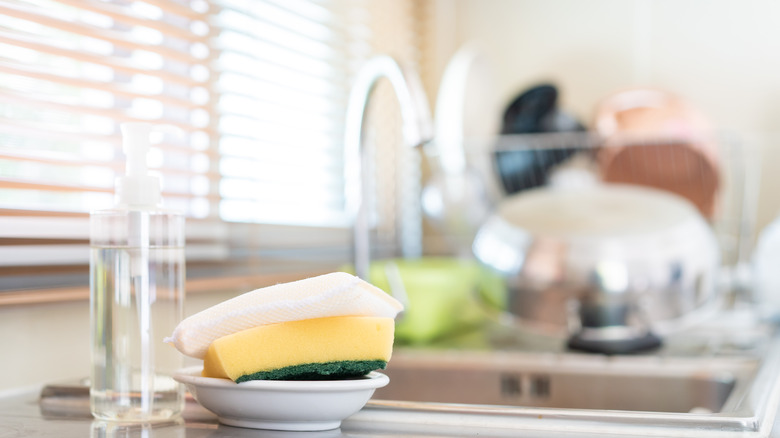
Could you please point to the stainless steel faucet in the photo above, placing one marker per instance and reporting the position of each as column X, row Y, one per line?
column 417, row 130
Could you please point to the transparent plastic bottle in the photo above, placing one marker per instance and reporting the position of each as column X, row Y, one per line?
column 137, row 271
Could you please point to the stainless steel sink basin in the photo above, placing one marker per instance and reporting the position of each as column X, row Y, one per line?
column 566, row 381
column 720, row 380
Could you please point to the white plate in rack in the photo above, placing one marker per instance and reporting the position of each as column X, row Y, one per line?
column 301, row 405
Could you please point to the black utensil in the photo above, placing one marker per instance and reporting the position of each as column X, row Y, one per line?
column 525, row 165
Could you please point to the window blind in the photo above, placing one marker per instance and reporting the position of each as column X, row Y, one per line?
column 247, row 97
column 282, row 80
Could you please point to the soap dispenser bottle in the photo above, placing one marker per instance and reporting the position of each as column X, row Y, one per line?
column 137, row 272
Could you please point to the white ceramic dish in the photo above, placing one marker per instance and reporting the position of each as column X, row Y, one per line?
column 281, row 404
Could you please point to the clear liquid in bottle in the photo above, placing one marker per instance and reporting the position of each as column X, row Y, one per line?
column 137, row 300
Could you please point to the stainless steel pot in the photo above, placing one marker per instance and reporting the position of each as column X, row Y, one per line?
column 616, row 267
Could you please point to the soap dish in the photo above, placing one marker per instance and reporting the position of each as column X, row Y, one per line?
column 299, row 405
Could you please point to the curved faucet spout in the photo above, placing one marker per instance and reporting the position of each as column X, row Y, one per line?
column 417, row 130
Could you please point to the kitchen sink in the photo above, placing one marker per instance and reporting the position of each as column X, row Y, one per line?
column 566, row 381
column 720, row 380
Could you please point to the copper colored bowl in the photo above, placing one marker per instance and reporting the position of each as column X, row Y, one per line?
column 655, row 139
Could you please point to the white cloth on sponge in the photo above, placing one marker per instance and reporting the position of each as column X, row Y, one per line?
column 334, row 294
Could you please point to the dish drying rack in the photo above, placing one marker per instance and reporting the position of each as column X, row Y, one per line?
column 505, row 165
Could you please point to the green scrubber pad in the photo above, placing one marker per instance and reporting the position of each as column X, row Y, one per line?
column 318, row 371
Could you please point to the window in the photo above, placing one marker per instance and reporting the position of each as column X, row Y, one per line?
column 248, row 97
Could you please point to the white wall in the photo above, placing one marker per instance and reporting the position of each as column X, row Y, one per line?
column 42, row 343
column 722, row 55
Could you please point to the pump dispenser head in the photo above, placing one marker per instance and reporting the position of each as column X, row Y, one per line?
column 137, row 188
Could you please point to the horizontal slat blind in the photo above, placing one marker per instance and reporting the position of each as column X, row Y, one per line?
column 70, row 72
column 248, row 97
column 282, row 81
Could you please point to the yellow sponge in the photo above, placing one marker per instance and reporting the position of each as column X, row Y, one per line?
column 333, row 294
column 332, row 347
